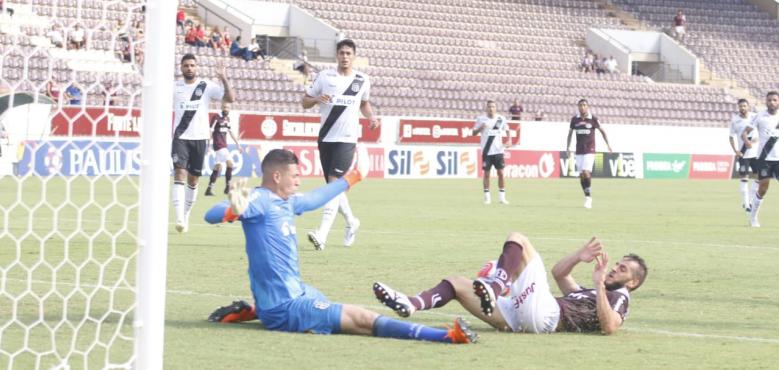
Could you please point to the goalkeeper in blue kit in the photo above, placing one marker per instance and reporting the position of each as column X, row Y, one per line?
column 283, row 301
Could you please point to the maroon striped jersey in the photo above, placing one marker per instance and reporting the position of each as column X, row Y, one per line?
column 584, row 127
column 578, row 312
column 220, row 126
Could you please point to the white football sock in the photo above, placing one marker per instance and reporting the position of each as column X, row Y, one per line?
column 756, row 201
column 743, row 188
column 177, row 195
column 502, row 195
column 190, row 195
column 328, row 217
column 753, row 191
column 345, row 209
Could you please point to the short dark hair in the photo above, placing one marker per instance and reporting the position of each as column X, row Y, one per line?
column 346, row 43
column 276, row 158
column 188, row 56
column 642, row 269
column 491, row 102
column 742, row 101
column 772, row 92
column 582, row 101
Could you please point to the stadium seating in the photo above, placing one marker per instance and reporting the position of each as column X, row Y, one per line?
column 734, row 38
column 445, row 60
column 429, row 59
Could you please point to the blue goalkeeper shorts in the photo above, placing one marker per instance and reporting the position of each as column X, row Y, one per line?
column 310, row 313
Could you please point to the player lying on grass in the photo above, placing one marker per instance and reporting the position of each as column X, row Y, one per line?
column 519, row 289
column 283, row 301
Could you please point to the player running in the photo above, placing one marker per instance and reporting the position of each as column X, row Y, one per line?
column 342, row 94
column 516, row 296
column 220, row 127
column 283, row 301
column 494, row 130
column 585, row 124
column 767, row 125
column 745, row 148
column 193, row 96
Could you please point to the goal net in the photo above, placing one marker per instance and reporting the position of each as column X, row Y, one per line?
column 73, row 168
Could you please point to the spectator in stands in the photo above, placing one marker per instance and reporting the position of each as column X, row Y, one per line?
column 215, row 40
column 587, row 62
column 137, row 31
column 121, row 31
column 191, row 36
column 52, row 91
column 237, row 50
column 679, row 21
column 599, row 64
column 73, row 94
column 8, row 10
column 200, row 36
column 256, row 50
column 611, row 64
column 539, row 116
column 196, row 36
column 109, row 92
column 515, row 111
column 4, row 135
column 77, row 37
column 180, row 18
column 55, row 36
column 139, row 54
column 126, row 53
column 227, row 41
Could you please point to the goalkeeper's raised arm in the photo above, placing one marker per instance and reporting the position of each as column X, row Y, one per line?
column 281, row 178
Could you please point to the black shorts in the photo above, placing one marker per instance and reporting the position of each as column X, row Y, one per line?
column 746, row 164
column 336, row 158
column 493, row 160
column 768, row 169
column 189, row 154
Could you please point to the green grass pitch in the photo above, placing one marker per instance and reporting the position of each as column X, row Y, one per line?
column 709, row 301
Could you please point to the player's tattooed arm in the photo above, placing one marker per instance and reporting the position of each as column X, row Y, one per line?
column 367, row 111
column 609, row 319
column 310, row 101
column 562, row 269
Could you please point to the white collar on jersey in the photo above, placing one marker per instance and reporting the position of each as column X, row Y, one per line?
column 589, row 115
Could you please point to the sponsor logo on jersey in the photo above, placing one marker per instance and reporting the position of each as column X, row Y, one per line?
column 189, row 105
column 520, row 298
column 321, row 305
column 344, row 100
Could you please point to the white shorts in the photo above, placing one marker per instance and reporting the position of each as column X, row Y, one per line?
column 679, row 30
column 531, row 307
column 584, row 162
column 222, row 156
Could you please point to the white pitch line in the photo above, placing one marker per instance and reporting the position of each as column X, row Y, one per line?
column 450, row 315
column 580, row 239
column 479, row 232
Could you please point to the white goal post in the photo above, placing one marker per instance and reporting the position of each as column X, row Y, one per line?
column 84, row 156
column 155, row 175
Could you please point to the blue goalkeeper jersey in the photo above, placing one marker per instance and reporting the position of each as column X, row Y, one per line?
column 271, row 241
